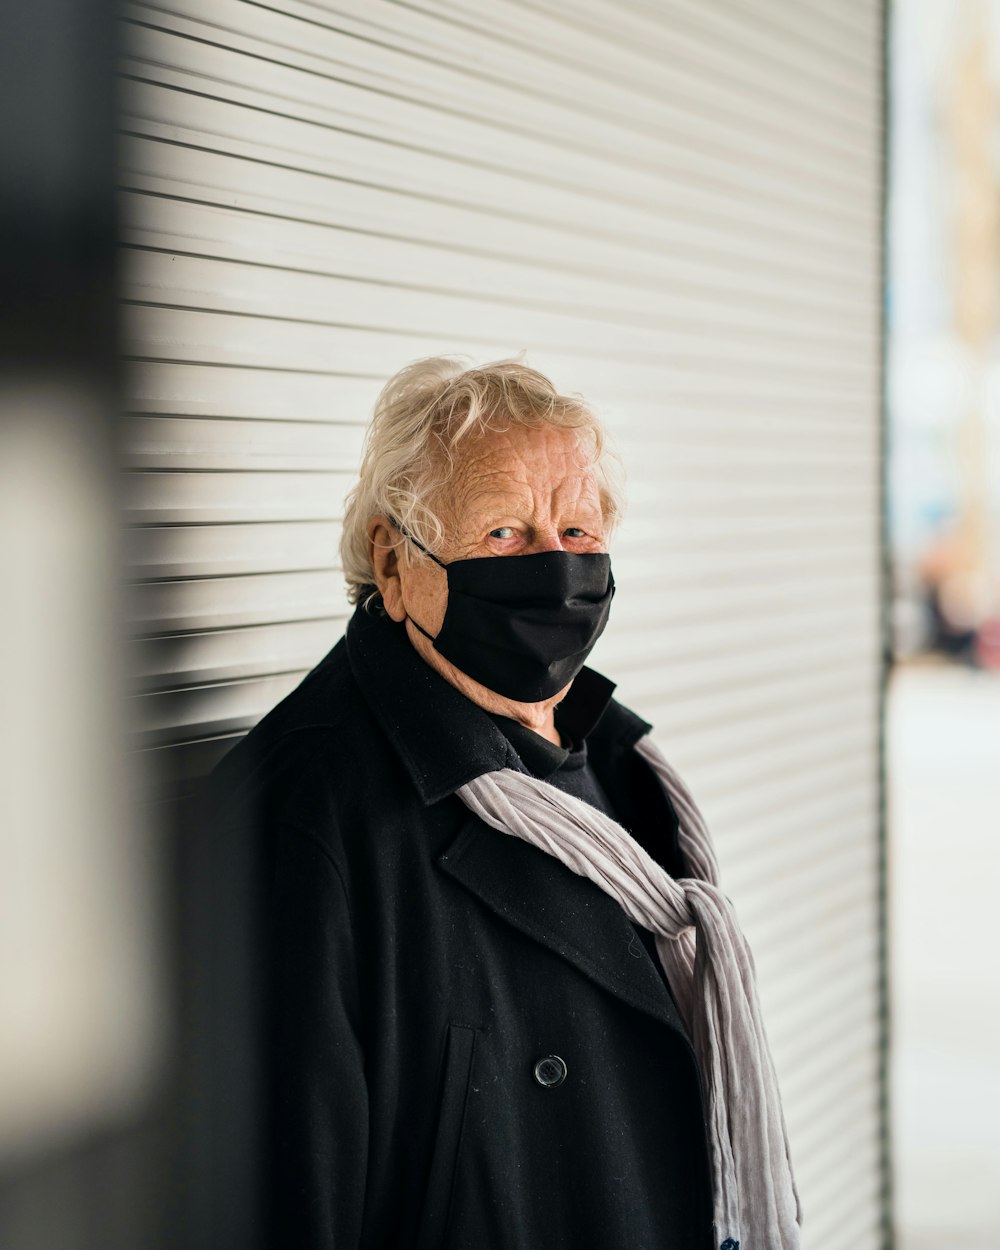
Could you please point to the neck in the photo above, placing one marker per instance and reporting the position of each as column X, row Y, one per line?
column 537, row 716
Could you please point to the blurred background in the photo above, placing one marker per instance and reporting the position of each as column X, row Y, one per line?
column 943, row 389
column 761, row 239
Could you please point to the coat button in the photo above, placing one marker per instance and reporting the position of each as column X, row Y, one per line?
column 550, row 1071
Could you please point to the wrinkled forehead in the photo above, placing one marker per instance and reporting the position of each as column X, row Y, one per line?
column 525, row 470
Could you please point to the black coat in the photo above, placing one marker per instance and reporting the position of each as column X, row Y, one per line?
column 397, row 969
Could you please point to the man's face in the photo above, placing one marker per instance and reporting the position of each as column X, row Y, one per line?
column 516, row 493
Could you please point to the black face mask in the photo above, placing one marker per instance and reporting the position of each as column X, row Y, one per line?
column 523, row 626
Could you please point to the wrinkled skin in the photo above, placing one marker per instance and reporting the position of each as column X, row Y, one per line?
column 515, row 493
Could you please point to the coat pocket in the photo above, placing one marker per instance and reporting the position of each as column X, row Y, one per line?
column 460, row 1046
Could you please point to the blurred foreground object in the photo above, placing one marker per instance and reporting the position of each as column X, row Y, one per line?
column 78, row 1012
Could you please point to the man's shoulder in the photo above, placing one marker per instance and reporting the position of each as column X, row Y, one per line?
column 307, row 755
column 324, row 700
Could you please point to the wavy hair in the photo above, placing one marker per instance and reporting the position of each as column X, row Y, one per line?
column 420, row 417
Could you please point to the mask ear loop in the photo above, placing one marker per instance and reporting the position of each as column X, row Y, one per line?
column 406, row 533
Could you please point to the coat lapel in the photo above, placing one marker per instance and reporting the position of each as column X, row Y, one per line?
column 541, row 897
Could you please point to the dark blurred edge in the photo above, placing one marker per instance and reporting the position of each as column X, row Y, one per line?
column 57, row 208
column 58, row 325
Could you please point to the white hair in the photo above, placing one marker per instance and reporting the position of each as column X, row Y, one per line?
column 420, row 416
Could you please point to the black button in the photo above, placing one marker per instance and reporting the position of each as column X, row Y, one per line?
column 550, row 1071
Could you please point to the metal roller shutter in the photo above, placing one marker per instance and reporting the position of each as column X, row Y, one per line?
column 676, row 210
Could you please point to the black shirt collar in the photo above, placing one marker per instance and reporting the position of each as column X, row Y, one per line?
column 443, row 738
column 577, row 714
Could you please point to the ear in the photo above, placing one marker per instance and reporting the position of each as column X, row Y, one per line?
column 383, row 550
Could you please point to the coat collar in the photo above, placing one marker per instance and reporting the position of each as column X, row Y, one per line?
column 444, row 739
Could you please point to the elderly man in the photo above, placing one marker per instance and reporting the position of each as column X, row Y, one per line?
column 476, row 1013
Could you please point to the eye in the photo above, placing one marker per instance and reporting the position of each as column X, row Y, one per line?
column 502, row 531
column 579, row 532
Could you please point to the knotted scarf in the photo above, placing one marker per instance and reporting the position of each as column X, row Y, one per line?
column 710, row 970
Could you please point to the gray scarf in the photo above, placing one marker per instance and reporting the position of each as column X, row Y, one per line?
column 710, row 970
